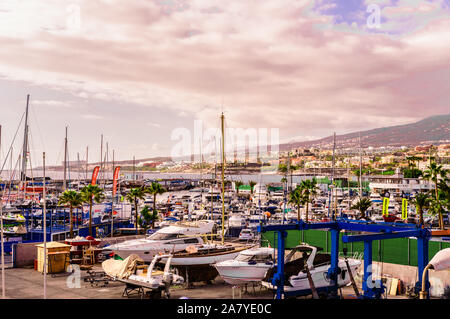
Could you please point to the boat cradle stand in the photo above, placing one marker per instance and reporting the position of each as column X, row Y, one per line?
column 132, row 286
column 383, row 231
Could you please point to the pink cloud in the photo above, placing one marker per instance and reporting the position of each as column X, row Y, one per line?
column 270, row 63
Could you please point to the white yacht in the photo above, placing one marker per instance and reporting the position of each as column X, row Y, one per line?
column 169, row 239
column 375, row 198
column 250, row 265
column 237, row 221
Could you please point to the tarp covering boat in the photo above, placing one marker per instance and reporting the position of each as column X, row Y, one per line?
column 441, row 261
column 121, row 268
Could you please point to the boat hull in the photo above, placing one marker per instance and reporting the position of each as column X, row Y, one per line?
column 204, row 260
column 299, row 284
column 236, row 273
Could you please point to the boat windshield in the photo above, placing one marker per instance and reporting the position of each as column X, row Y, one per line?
column 163, row 236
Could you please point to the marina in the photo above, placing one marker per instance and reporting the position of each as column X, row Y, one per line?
column 206, row 233
column 224, row 158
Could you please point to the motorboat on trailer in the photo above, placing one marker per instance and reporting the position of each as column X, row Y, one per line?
column 295, row 275
column 251, row 265
column 132, row 271
column 173, row 238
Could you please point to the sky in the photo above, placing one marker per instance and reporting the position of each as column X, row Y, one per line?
column 137, row 70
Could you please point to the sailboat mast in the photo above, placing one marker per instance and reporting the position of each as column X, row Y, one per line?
column 65, row 162
column 78, row 169
column 360, row 167
column 1, row 226
column 113, row 197
column 44, row 227
column 87, row 162
column 134, row 168
column 332, row 173
column 222, row 118
column 25, row 144
column 106, row 165
column 101, row 155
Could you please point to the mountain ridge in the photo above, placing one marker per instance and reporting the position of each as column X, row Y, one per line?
column 430, row 130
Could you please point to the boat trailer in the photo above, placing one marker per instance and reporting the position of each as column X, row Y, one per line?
column 371, row 289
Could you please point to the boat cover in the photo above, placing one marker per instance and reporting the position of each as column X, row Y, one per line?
column 441, row 261
column 121, row 268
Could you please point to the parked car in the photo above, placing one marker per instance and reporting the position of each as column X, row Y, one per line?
column 246, row 234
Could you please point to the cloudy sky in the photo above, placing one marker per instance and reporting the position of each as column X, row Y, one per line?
column 136, row 70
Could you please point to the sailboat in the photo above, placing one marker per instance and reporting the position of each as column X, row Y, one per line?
column 195, row 262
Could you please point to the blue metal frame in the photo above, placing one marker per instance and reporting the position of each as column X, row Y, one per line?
column 378, row 232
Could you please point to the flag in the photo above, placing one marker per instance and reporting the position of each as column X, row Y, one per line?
column 385, row 206
column 95, row 175
column 116, row 177
column 404, row 208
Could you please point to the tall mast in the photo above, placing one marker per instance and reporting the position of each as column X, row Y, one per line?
column 201, row 169
column 113, row 197
column 44, row 213
column 65, row 162
column 222, row 118
column 101, row 155
column 332, row 175
column 134, row 168
column 25, row 144
column 1, row 226
column 87, row 162
column 289, row 172
column 78, row 169
column 106, row 165
column 360, row 167
column 113, row 165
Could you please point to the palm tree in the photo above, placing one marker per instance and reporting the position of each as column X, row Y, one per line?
column 72, row 199
column 238, row 184
column 252, row 185
column 422, row 201
column 89, row 194
column 433, row 173
column 297, row 198
column 133, row 196
column 309, row 190
column 155, row 189
column 147, row 218
column 363, row 204
column 445, row 191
